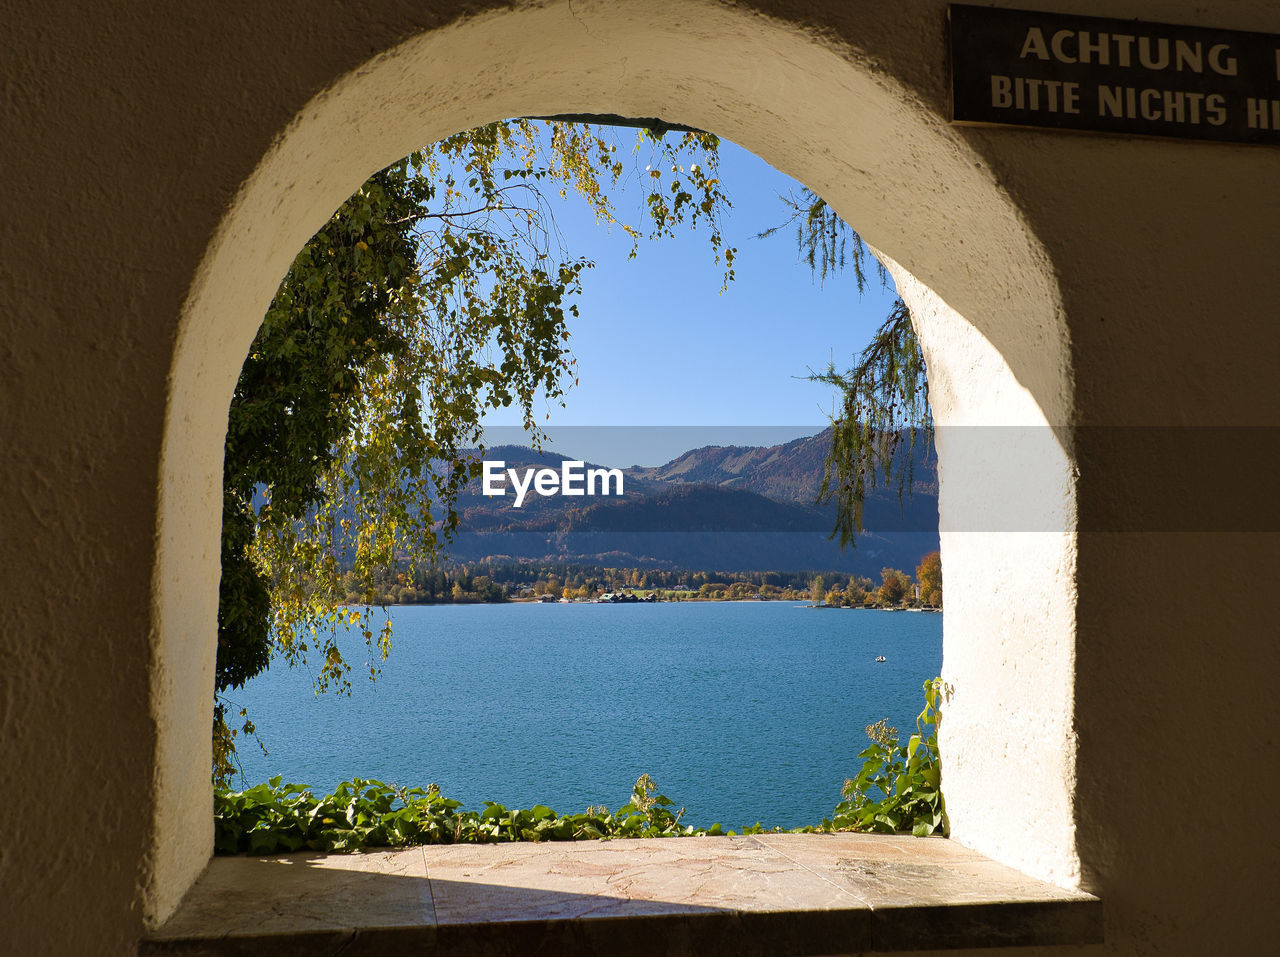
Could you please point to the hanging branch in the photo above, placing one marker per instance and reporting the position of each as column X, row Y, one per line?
column 825, row 241
column 883, row 404
column 883, row 411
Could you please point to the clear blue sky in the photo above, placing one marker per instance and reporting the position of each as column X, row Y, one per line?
column 659, row 346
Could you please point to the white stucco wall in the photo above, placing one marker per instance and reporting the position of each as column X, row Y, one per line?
column 165, row 167
column 1007, row 525
column 811, row 109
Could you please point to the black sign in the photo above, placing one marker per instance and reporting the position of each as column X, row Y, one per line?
column 1019, row 68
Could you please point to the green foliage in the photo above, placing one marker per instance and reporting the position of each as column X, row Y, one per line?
column 883, row 412
column 882, row 408
column 899, row 787
column 895, row 587
column 929, row 575
column 897, row 790
column 817, row 589
column 495, row 579
column 244, row 602
column 438, row 291
column 825, row 241
column 275, row 817
column 225, row 755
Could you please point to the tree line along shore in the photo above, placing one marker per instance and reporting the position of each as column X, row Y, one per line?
column 487, row 582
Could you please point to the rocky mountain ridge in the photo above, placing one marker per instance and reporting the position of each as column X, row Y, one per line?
column 714, row 507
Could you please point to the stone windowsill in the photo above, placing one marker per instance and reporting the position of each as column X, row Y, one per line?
column 764, row 894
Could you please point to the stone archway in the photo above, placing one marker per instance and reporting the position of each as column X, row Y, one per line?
column 827, row 115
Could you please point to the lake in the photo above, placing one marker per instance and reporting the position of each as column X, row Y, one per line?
column 741, row 711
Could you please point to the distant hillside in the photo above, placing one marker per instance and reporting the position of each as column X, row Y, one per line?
column 725, row 508
column 791, row 472
column 680, row 508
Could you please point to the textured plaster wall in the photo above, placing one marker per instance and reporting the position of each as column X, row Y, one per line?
column 1007, row 526
column 163, row 167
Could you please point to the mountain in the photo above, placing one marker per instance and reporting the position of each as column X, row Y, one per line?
column 716, row 507
column 792, row 472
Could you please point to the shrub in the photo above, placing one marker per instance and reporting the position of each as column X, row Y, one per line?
column 898, row 789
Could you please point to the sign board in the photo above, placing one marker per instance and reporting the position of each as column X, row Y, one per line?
column 1059, row 71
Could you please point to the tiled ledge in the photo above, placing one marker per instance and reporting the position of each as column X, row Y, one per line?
column 767, row 894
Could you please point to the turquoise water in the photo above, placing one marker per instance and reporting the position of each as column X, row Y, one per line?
column 741, row 711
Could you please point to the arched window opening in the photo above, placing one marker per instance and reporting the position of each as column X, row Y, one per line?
column 994, row 337
column 718, row 322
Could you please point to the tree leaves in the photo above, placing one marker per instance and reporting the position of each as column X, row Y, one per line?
column 883, row 413
column 364, row 813
column 898, row 788
column 438, row 291
column 883, row 408
column 361, row 813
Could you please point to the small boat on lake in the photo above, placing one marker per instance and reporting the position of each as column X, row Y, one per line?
column 880, row 658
